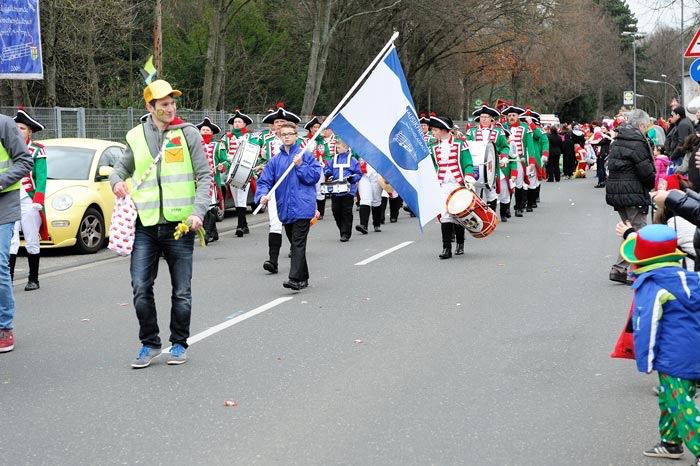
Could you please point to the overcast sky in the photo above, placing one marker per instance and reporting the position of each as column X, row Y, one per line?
column 651, row 13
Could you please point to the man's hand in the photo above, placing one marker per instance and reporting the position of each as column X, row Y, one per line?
column 697, row 159
column 195, row 221
column 120, row 189
column 264, row 200
column 221, row 168
column 503, row 162
column 297, row 160
column 36, row 206
column 659, row 197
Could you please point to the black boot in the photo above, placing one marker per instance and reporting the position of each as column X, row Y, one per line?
column 321, row 207
column 33, row 281
column 13, row 261
column 447, row 229
column 394, row 206
column 531, row 195
column 209, row 224
column 274, row 243
column 504, row 212
column 242, row 221
column 364, row 219
column 493, row 205
column 519, row 201
column 537, row 196
column 382, row 209
column 377, row 218
column 460, row 249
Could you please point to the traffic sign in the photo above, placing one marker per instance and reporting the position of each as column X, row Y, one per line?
column 695, row 70
column 693, row 49
column 628, row 98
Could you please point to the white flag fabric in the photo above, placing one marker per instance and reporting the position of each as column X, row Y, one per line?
column 380, row 123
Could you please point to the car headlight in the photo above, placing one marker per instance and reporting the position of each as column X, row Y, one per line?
column 62, row 202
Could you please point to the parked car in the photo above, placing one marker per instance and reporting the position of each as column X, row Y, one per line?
column 79, row 198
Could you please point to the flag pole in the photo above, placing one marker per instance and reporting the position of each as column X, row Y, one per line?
column 337, row 108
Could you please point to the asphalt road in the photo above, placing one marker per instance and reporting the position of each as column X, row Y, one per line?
column 498, row 357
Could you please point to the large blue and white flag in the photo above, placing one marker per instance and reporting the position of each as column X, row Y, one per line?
column 380, row 123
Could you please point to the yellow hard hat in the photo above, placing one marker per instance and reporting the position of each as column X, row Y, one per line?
column 159, row 89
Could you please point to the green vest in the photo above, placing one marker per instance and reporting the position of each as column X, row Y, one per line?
column 174, row 181
column 5, row 162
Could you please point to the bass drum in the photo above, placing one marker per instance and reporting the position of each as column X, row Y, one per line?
column 484, row 159
column 242, row 164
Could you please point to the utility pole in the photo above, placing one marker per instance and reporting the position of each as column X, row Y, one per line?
column 158, row 39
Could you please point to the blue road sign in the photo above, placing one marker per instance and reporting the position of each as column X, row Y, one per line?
column 695, row 70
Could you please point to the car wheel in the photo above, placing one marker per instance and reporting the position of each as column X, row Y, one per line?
column 91, row 232
column 220, row 214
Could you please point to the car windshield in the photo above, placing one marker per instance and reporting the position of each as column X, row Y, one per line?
column 68, row 163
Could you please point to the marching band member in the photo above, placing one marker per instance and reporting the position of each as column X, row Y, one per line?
column 227, row 147
column 208, row 130
column 271, row 146
column 454, row 166
column 538, row 152
column 370, row 199
column 487, row 131
column 324, row 151
column 343, row 167
column 32, row 190
column 520, row 136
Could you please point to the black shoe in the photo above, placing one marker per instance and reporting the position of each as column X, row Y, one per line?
column 344, row 238
column 361, row 228
column 504, row 219
column 31, row 286
column 518, row 212
column 246, row 230
column 619, row 277
column 304, row 284
column 377, row 230
column 446, row 253
column 528, row 208
column 599, row 185
column 460, row 249
column 665, row 450
column 293, row 285
column 508, row 212
column 270, row 267
column 393, row 219
column 239, row 232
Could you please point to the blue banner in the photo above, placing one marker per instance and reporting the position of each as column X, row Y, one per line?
column 20, row 40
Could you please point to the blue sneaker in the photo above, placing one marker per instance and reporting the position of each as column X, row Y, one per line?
column 178, row 354
column 145, row 356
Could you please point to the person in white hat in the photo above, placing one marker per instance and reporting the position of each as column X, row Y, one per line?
column 168, row 155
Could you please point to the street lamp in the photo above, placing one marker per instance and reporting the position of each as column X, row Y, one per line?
column 654, row 81
column 634, row 37
column 656, row 107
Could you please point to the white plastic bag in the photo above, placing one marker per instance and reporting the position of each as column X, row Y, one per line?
column 122, row 230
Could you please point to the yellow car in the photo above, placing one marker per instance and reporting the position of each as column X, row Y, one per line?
column 78, row 198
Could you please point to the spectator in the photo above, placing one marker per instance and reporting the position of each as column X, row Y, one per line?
column 555, row 150
column 631, row 176
column 684, row 128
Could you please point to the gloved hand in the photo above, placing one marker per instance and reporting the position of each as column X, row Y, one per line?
column 221, row 168
column 503, row 162
column 36, row 206
column 351, row 179
column 544, row 160
column 469, row 182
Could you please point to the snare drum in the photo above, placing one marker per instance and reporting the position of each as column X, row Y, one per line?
column 335, row 187
column 242, row 164
column 471, row 212
column 484, row 160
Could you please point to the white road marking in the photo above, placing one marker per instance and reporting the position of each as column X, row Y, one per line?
column 229, row 323
column 384, row 253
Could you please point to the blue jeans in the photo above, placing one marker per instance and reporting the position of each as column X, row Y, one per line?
column 7, row 299
column 148, row 245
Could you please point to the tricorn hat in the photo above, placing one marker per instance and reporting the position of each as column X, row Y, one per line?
column 485, row 109
column 441, row 122
column 237, row 114
column 314, row 121
column 24, row 118
column 281, row 114
column 207, row 122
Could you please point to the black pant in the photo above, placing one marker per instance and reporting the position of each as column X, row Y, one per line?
column 600, row 170
column 553, row 173
column 395, row 204
column 297, row 233
column 341, row 206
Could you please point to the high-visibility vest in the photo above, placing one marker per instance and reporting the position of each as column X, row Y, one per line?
column 174, row 181
column 5, row 162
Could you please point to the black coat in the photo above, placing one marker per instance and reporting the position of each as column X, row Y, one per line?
column 685, row 129
column 555, row 144
column 631, row 169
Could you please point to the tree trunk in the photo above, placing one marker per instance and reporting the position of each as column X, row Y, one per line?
column 93, row 80
column 212, row 56
column 220, row 70
column 321, row 14
column 48, row 52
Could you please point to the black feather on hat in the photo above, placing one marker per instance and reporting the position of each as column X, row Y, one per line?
column 207, row 122
column 24, row 118
column 281, row 114
column 441, row 122
column 237, row 114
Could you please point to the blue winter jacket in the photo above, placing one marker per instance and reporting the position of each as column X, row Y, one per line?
column 666, row 321
column 296, row 196
column 353, row 171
